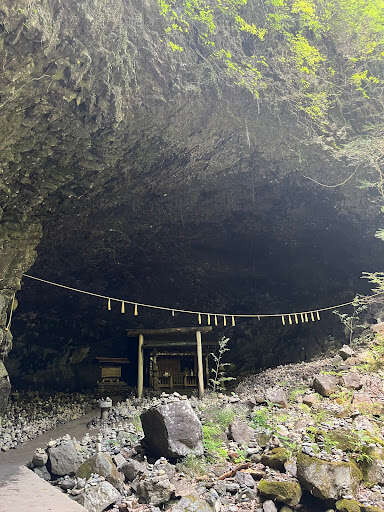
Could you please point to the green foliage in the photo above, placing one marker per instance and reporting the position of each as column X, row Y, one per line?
column 352, row 322
column 296, row 35
column 193, row 465
column 214, row 446
column 260, row 419
column 219, row 377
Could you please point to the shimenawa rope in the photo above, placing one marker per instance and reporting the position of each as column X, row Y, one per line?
column 289, row 318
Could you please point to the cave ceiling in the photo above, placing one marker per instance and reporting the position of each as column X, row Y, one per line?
column 154, row 181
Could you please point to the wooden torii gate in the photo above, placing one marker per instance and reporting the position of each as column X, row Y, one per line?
column 172, row 332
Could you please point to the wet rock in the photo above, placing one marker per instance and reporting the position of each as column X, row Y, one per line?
column 64, row 458
column 98, row 497
column 102, row 465
column 288, row 492
column 155, row 490
column 172, row 430
column 328, row 480
column 133, row 468
column 241, row 432
column 325, row 385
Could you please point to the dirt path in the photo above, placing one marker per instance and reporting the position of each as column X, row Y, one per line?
column 21, row 489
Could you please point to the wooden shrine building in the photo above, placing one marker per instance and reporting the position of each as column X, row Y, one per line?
column 174, row 359
column 111, row 374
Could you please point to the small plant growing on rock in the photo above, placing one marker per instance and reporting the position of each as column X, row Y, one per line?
column 219, row 378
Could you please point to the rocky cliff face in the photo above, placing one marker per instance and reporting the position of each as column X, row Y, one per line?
column 149, row 176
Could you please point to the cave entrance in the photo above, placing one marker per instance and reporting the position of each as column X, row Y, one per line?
column 174, row 359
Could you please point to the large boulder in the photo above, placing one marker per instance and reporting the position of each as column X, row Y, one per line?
column 64, row 458
column 102, row 464
column 328, row 480
column 97, row 498
column 288, row 492
column 325, row 385
column 172, row 430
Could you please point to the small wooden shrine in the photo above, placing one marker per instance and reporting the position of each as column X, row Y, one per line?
column 111, row 373
column 174, row 358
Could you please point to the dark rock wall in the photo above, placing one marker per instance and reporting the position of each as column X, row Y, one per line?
column 153, row 178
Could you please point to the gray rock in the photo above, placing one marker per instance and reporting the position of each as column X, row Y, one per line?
column 241, row 432
column 351, row 380
column 325, row 385
column 119, row 460
column 42, row 472
column 40, row 458
column 310, row 400
column 172, row 430
column 102, row 464
column 155, row 490
column 64, row 458
column 346, row 351
column 97, row 498
column 328, row 480
column 133, row 468
column 277, row 396
column 269, row 506
column 192, row 504
column 262, row 438
column 244, row 479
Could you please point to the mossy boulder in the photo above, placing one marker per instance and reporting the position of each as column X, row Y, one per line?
column 348, row 506
column 276, row 458
column 343, row 438
column 288, row 492
column 372, row 466
column 328, row 480
column 103, row 465
column 371, row 508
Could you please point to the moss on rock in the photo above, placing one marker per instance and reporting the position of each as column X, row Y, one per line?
column 288, row 492
column 276, row 458
column 348, row 506
column 328, row 480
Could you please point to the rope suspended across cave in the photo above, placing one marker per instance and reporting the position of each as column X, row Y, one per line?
column 8, row 325
column 286, row 318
